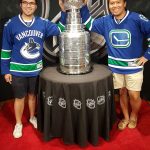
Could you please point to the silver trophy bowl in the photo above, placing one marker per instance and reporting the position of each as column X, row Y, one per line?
column 74, row 42
column 73, row 4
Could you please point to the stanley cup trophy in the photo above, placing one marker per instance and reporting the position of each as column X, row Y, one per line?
column 74, row 42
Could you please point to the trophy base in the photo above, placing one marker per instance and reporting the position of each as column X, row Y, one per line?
column 74, row 70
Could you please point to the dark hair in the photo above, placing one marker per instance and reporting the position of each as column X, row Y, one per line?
column 20, row 1
column 124, row 0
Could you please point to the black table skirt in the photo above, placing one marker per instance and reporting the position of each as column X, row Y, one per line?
column 77, row 108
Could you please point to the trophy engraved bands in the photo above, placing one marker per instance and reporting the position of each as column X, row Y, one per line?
column 74, row 42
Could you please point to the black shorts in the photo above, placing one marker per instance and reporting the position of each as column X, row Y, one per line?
column 23, row 85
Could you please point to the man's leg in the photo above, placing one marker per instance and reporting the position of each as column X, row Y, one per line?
column 32, row 108
column 124, row 107
column 135, row 102
column 32, row 95
column 19, row 107
column 119, row 83
column 19, row 85
column 124, row 100
column 134, row 84
column 32, row 104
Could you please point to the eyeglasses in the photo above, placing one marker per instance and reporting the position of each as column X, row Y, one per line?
column 25, row 3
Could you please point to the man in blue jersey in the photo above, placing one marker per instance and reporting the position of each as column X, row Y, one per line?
column 21, row 57
column 124, row 32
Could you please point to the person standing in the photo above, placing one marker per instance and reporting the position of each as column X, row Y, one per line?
column 21, row 57
column 124, row 32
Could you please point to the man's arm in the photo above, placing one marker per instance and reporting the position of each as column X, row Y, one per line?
column 6, row 53
column 94, row 25
column 61, row 4
column 145, row 28
column 53, row 29
column 6, row 48
column 62, row 21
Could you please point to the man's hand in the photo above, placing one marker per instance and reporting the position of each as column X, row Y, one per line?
column 85, row 1
column 61, row 4
column 8, row 78
column 141, row 61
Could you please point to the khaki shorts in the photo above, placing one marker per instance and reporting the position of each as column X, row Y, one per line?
column 132, row 82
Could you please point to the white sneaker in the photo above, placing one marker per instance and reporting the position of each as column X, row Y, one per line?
column 17, row 133
column 33, row 121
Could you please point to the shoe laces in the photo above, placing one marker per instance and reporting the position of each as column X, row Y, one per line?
column 18, row 127
column 33, row 121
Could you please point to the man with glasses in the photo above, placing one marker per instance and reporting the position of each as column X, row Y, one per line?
column 21, row 57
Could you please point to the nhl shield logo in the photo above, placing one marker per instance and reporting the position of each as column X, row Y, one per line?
column 77, row 104
column 49, row 100
column 90, row 103
column 62, row 102
column 100, row 100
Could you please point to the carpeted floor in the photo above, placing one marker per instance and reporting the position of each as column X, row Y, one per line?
column 134, row 139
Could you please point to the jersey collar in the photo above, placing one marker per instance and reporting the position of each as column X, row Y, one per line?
column 24, row 21
column 122, row 18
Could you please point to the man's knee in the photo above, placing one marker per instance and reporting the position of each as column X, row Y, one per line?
column 123, row 91
column 134, row 96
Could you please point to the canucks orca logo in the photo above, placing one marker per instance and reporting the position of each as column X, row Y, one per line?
column 30, row 50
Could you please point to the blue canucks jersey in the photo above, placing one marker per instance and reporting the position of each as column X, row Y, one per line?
column 124, row 39
column 22, row 46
